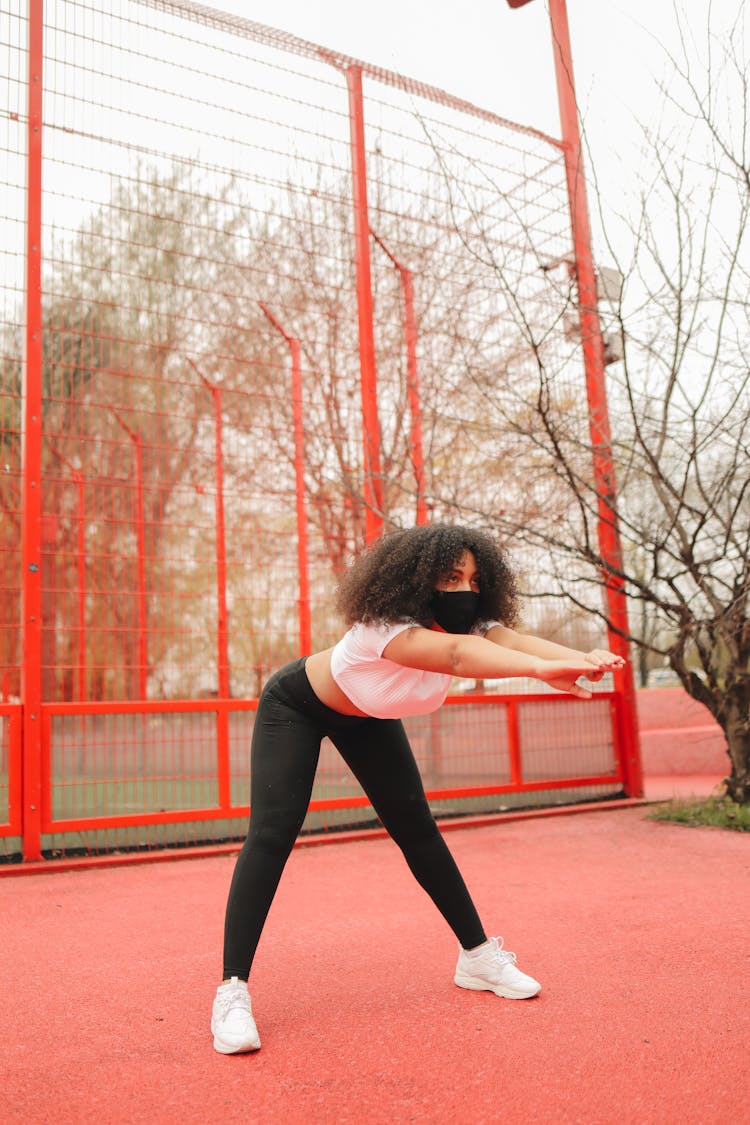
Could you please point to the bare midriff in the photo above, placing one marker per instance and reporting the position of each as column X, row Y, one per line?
column 318, row 669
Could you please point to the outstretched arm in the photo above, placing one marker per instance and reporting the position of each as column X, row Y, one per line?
column 598, row 658
column 481, row 658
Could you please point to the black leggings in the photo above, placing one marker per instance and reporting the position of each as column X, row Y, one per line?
column 289, row 726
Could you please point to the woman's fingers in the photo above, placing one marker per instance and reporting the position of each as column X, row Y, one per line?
column 603, row 659
column 580, row 691
column 570, row 685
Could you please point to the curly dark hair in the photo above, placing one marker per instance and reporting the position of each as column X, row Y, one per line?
column 395, row 579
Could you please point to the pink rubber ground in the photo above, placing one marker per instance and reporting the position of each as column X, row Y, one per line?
column 637, row 930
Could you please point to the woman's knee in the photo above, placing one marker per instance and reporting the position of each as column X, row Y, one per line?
column 410, row 822
column 274, row 834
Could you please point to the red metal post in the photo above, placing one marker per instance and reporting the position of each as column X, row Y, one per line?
column 373, row 482
column 81, row 569
column 142, row 605
column 222, row 626
column 412, row 379
column 221, row 552
column 412, row 391
column 303, row 564
column 514, row 744
column 593, row 358
column 305, row 621
column 141, row 561
column 221, row 547
column 81, row 565
column 31, row 541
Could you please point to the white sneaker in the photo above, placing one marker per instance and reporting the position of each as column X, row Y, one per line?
column 232, row 1022
column 494, row 970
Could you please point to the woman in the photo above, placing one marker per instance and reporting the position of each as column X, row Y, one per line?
column 422, row 606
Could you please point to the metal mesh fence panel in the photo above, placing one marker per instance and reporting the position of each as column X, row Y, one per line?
column 218, row 436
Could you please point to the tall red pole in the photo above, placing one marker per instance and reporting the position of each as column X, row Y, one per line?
column 142, row 606
column 223, row 768
column 222, row 627
column 222, row 622
column 81, row 570
column 141, row 559
column 225, row 690
column 412, row 391
column 305, row 622
column 31, row 541
column 303, row 563
column 406, row 278
column 373, row 482
column 81, row 565
column 593, row 359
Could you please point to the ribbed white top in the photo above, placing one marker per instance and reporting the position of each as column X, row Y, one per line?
column 379, row 686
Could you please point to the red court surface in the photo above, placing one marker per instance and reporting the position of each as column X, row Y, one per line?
column 637, row 930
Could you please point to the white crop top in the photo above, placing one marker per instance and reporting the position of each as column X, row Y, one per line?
column 379, row 686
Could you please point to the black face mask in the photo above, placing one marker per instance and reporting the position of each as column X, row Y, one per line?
column 455, row 610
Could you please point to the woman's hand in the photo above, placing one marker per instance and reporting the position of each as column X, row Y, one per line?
column 563, row 675
column 602, row 661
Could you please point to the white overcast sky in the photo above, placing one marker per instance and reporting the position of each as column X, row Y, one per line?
column 492, row 55
column 501, row 58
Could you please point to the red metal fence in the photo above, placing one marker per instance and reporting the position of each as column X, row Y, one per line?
column 258, row 301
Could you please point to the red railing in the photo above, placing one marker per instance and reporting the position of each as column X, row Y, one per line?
column 100, row 757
